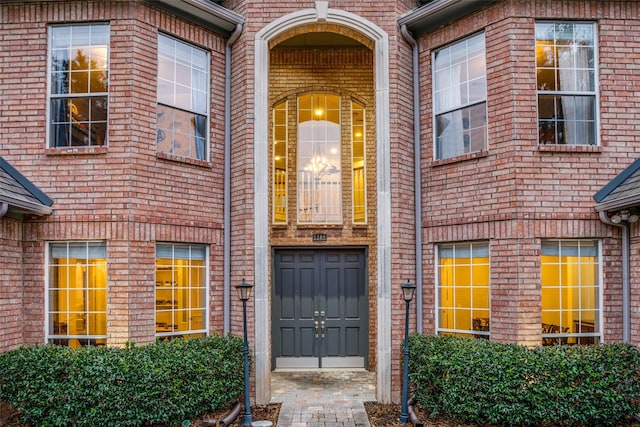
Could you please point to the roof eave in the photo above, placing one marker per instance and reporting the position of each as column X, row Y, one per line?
column 24, row 206
column 203, row 12
column 618, row 204
column 615, row 182
column 438, row 13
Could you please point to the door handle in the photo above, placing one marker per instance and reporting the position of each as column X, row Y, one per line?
column 322, row 328
column 315, row 328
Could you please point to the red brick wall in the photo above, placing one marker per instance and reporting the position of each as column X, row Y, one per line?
column 383, row 14
column 11, row 290
column 124, row 194
column 519, row 193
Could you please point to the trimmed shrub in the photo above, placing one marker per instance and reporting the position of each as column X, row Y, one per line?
column 161, row 383
column 481, row 382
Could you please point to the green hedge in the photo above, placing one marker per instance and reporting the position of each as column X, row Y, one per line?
column 482, row 382
column 162, row 383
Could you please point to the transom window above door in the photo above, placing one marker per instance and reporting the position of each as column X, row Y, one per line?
column 319, row 159
column 322, row 147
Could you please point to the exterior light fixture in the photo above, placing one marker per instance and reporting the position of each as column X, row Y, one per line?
column 624, row 215
column 244, row 292
column 408, row 290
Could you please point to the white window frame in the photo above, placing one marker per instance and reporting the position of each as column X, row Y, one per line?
column 364, row 164
column 594, row 94
column 439, row 329
column 561, row 336
column 173, row 112
column 273, row 164
column 463, row 133
column 319, row 180
column 51, row 97
column 48, row 337
column 205, row 290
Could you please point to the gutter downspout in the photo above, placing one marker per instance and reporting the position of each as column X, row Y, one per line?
column 4, row 207
column 227, row 182
column 417, row 165
column 626, row 288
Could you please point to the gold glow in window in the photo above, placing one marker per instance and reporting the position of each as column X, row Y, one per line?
column 566, row 82
column 181, row 272
column 463, row 289
column 570, row 292
column 279, row 158
column 319, row 159
column 358, row 144
column 77, row 294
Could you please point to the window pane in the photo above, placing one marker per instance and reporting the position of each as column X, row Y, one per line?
column 181, row 133
column 565, row 68
column 183, row 98
column 463, row 288
column 358, row 143
column 181, row 276
column 460, row 74
column 567, row 119
column 77, row 292
column 461, row 132
column 319, row 161
column 570, row 289
column 279, row 159
column 79, row 57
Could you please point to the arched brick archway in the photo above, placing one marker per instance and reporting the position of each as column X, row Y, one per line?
column 321, row 14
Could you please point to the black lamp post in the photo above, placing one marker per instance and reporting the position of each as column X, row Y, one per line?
column 408, row 289
column 244, row 292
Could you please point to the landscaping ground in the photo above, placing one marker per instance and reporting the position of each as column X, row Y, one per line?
column 380, row 415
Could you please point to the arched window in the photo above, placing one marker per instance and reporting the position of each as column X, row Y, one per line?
column 319, row 165
column 358, row 161
column 279, row 159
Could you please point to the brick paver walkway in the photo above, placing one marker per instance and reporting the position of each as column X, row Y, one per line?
column 323, row 398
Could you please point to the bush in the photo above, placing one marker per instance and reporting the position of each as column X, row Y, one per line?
column 482, row 382
column 161, row 383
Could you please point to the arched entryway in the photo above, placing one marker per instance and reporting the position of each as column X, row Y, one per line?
column 264, row 40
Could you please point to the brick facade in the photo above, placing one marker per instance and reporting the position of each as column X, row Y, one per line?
column 513, row 195
column 127, row 195
column 518, row 192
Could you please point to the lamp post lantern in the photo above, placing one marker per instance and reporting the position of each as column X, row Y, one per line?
column 244, row 292
column 408, row 289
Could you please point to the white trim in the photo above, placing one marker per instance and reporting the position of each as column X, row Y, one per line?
column 262, row 319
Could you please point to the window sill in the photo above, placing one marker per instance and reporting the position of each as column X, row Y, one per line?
column 319, row 226
column 570, row 148
column 461, row 158
column 73, row 151
column 180, row 159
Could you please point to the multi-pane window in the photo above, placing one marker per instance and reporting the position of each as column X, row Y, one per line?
column 570, row 278
column 183, row 98
column 280, row 141
column 566, row 82
column 77, row 294
column 463, row 289
column 78, row 85
column 319, row 159
column 460, row 93
column 181, row 299
column 358, row 145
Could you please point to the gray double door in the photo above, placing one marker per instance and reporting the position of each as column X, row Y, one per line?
column 320, row 309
